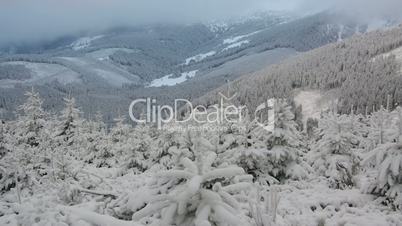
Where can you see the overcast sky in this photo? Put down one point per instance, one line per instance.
(32, 20)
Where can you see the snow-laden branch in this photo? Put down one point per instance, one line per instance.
(95, 218)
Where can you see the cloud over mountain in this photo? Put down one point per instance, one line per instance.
(33, 20)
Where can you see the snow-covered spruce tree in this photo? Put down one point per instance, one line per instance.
(381, 129)
(108, 149)
(137, 153)
(225, 135)
(199, 194)
(68, 140)
(27, 160)
(100, 152)
(283, 147)
(387, 161)
(248, 150)
(70, 122)
(161, 150)
(7, 179)
(31, 121)
(232, 138)
(120, 131)
(333, 155)
(311, 126)
(3, 148)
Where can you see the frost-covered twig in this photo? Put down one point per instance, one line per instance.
(103, 193)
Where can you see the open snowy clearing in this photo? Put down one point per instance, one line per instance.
(169, 80)
(398, 55)
(43, 73)
(238, 38)
(236, 45)
(313, 103)
(105, 70)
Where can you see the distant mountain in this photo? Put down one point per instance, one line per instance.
(105, 71)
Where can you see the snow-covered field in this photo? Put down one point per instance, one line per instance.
(169, 80)
(314, 103)
(236, 45)
(43, 73)
(105, 70)
(238, 38)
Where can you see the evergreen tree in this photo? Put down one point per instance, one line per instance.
(333, 156)
(31, 121)
(284, 146)
(3, 148)
(199, 194)
(387, 162)
(138, 154)
(70, 121)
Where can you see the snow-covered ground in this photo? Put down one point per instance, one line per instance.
(301, 203)
(313, 203)
(340, 32)
(199, 57)
(313, 103)
(169, 80)
(236, 45)
(112, 74)
(238, 38)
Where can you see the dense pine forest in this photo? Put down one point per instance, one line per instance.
(362, 70)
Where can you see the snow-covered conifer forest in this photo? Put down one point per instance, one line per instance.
(201, 113)
(62, 169)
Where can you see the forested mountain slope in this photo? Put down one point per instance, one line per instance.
(362, 70)
(107, 71)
